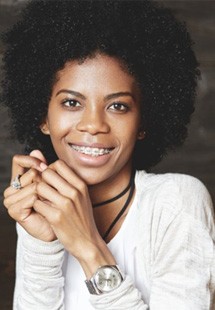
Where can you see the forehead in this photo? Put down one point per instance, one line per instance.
(99, 72)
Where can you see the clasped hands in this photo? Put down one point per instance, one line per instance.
(53, 203)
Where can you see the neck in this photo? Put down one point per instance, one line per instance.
(110, 187)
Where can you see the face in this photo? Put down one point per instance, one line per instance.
(94, 118)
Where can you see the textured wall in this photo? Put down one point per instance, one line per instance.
(196, 157)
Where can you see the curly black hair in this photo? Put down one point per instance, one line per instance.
(154, 47)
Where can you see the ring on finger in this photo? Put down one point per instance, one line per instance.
(16, 182)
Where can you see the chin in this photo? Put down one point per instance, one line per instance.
(90, 176)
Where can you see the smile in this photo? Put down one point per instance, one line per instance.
(91, 151)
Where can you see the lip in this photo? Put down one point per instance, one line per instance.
(89, 160)
(92, 145)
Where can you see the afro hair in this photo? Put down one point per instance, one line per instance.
(154, 47)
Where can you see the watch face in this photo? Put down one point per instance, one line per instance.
(107, 279)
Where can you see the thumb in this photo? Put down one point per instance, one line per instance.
(39, 155)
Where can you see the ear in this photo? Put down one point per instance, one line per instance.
(141, 134)
(44, 127)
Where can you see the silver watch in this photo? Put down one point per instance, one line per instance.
(106, 279)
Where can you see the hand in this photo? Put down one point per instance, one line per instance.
(68, 209)
(20, 202)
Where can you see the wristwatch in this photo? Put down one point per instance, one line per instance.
(106, 279)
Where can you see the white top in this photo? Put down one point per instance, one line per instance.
(123, 248)
(165, 247)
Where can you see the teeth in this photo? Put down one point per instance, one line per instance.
(93, 151)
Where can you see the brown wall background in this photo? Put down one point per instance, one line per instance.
(196, 157)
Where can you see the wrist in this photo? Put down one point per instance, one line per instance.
(94, 257)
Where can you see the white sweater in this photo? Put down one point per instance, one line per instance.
(174, 255)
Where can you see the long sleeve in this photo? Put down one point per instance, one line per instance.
(126, 297)
(39, 280)
(179, 251)
(176, 253)
(183, 268)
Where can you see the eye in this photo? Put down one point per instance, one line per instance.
(119, 107)
(71, 103)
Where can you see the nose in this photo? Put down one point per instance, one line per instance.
(93, 122)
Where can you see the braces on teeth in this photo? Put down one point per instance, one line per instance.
(90, 151)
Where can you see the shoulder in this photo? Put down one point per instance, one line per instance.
(181, 186)
(168, 195)
(169, 181)
(175, 214)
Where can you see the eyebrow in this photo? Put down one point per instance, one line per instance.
(71, 92)
(108, 97)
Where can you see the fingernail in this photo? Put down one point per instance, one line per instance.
(43, 166)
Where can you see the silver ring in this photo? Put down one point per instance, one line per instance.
(16, 182)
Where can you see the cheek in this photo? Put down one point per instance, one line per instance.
(128, 139)
(131, 132)
(59, 125)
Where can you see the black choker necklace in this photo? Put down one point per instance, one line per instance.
(130, 186)
(116, 197)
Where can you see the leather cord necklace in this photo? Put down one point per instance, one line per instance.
(130, 186)
(116, 197)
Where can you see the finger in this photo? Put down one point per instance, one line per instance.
(61, 185)
(22, 162)
(20, 195)
(32, 175)
(38, 154)
(50, 194)
(51, 214)
(22, 209)
(69, 175)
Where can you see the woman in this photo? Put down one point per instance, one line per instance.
(99, 90)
